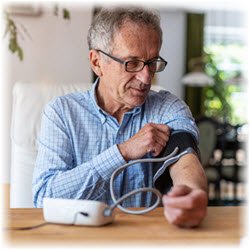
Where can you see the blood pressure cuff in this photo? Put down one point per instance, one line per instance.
(186, 144)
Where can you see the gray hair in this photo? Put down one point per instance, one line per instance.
(109, 21)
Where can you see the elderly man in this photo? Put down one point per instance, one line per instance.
(86, 136)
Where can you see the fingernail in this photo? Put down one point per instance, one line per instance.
(165, 199)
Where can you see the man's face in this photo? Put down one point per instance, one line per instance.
(132, 42)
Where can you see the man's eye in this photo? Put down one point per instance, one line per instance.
(133, 63)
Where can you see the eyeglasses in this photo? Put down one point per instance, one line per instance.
(155, 65)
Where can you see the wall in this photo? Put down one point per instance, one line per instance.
(56, 52)
(173, 50)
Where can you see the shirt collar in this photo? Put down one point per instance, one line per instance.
(102, 114)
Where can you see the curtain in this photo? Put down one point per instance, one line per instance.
(194, 48)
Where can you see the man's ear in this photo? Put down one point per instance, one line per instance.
(94, 58)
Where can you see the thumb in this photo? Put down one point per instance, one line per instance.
(179, 190)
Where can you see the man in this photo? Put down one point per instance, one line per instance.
(86, 136)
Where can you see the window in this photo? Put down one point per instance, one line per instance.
(225, 45)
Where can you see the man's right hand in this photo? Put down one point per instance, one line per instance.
(151, 138)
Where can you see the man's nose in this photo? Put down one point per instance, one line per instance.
(144, 75)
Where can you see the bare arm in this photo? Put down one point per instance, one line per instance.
(185, 205)
(189, 171)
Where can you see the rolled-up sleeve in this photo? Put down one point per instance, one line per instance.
(175, 113)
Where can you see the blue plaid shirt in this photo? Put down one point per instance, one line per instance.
(77, 147)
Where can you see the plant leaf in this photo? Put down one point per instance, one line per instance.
(20, 53)
(66, 14)
(12, 45)
(56, 10)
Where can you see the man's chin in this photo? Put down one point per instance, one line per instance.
(137, 101)
(137, 97)
(139, 92)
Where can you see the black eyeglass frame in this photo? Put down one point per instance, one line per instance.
(145, 62)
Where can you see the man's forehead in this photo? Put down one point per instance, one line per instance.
(129, 25)
(131, 41)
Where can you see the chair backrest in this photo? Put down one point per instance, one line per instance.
(29, 100)
(208, 138)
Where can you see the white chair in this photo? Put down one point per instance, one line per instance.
(29, 100)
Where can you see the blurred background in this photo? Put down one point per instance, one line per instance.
(206, 49)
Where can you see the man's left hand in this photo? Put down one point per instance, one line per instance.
(184, 206)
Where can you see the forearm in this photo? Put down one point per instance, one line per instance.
(61, 169)
(189, 171)
(86, 181)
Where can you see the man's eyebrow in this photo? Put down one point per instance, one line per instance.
(137, 58)
(126, 58)
(133, 58)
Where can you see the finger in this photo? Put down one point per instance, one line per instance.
(190, 224)
(184, 202)
(161, 127)
(190, 201)
(155, 149)
(179, 190)
(161, 140)
(156, 144)
(155, 133)
(184, 217)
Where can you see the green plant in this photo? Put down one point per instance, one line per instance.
(218, 100)
(15, 30)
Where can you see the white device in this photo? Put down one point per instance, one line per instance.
(76, 212)
(96, 213)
